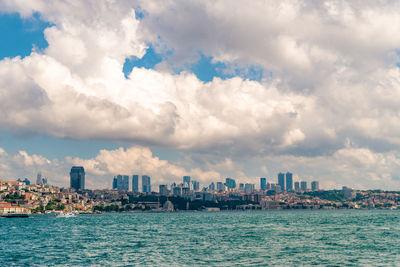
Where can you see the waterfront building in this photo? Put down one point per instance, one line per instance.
(289, 181)
(163, 190)
(230, 183)
(314, 185)
(303, 185)
(196, 186)
(296, 186)
(186, 180)
(146, 185)
(135, 183)
(177, 191)
(168, 206)
(249, 188)
(281, 180)
(263, 183)
(77, 178)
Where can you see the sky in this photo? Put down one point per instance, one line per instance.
(210, 89)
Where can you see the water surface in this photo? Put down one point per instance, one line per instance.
(347, 237)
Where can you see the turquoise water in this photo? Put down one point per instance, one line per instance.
(338, 238)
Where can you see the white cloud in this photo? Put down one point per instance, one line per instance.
(100, 169)
(334, 78)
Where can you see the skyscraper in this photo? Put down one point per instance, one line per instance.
(241, 187)
(135, 183)
(303, 185)
(249, 188)
(220, 187)
(77, 178)
(146, 186)
(186, 179)
(39, 178)
(281, 180)
(122, 182)
(263, 183)
(296, 186)
(314, 185)
(115, 183)
(196, 186)
(211, 186)
(289, 181)
(230, 183)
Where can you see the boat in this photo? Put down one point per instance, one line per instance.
(15, 215)
(66, 214)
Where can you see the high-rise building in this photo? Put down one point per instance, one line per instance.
(220, 187)
(77, 178)
(263, 183)
(281, 180)
(289, 181)
(211, 187)
(115, 183)
(186, 180)
(122, 182)
(146, 186)
(241, 187)
(196, 186)
(314, 185)
(303, 185)
(249, 188)
(135, 183)
(230, 183)
(296, 186)
(39, 178)
(163, 190)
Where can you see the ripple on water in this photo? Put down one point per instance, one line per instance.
(329, 238)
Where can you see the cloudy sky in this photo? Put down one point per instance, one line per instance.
(211, 89)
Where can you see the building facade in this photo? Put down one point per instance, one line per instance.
(77, 178)
(146, 185)
(281, 180)
(135, 183)
(303, 185)
(314, 185)
(230, 183)
(263, 183)
(289, 181)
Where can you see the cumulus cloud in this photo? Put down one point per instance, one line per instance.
(333, 77)
(100, 169)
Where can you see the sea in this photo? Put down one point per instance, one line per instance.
(249, 238)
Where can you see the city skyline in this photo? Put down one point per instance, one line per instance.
(190, 88)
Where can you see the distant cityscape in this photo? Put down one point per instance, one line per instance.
(125, 196)
(122, 183)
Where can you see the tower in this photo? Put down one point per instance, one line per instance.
(281, 180)
(289, 181)
(77, 178)
(135, 183)
(146, 186)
